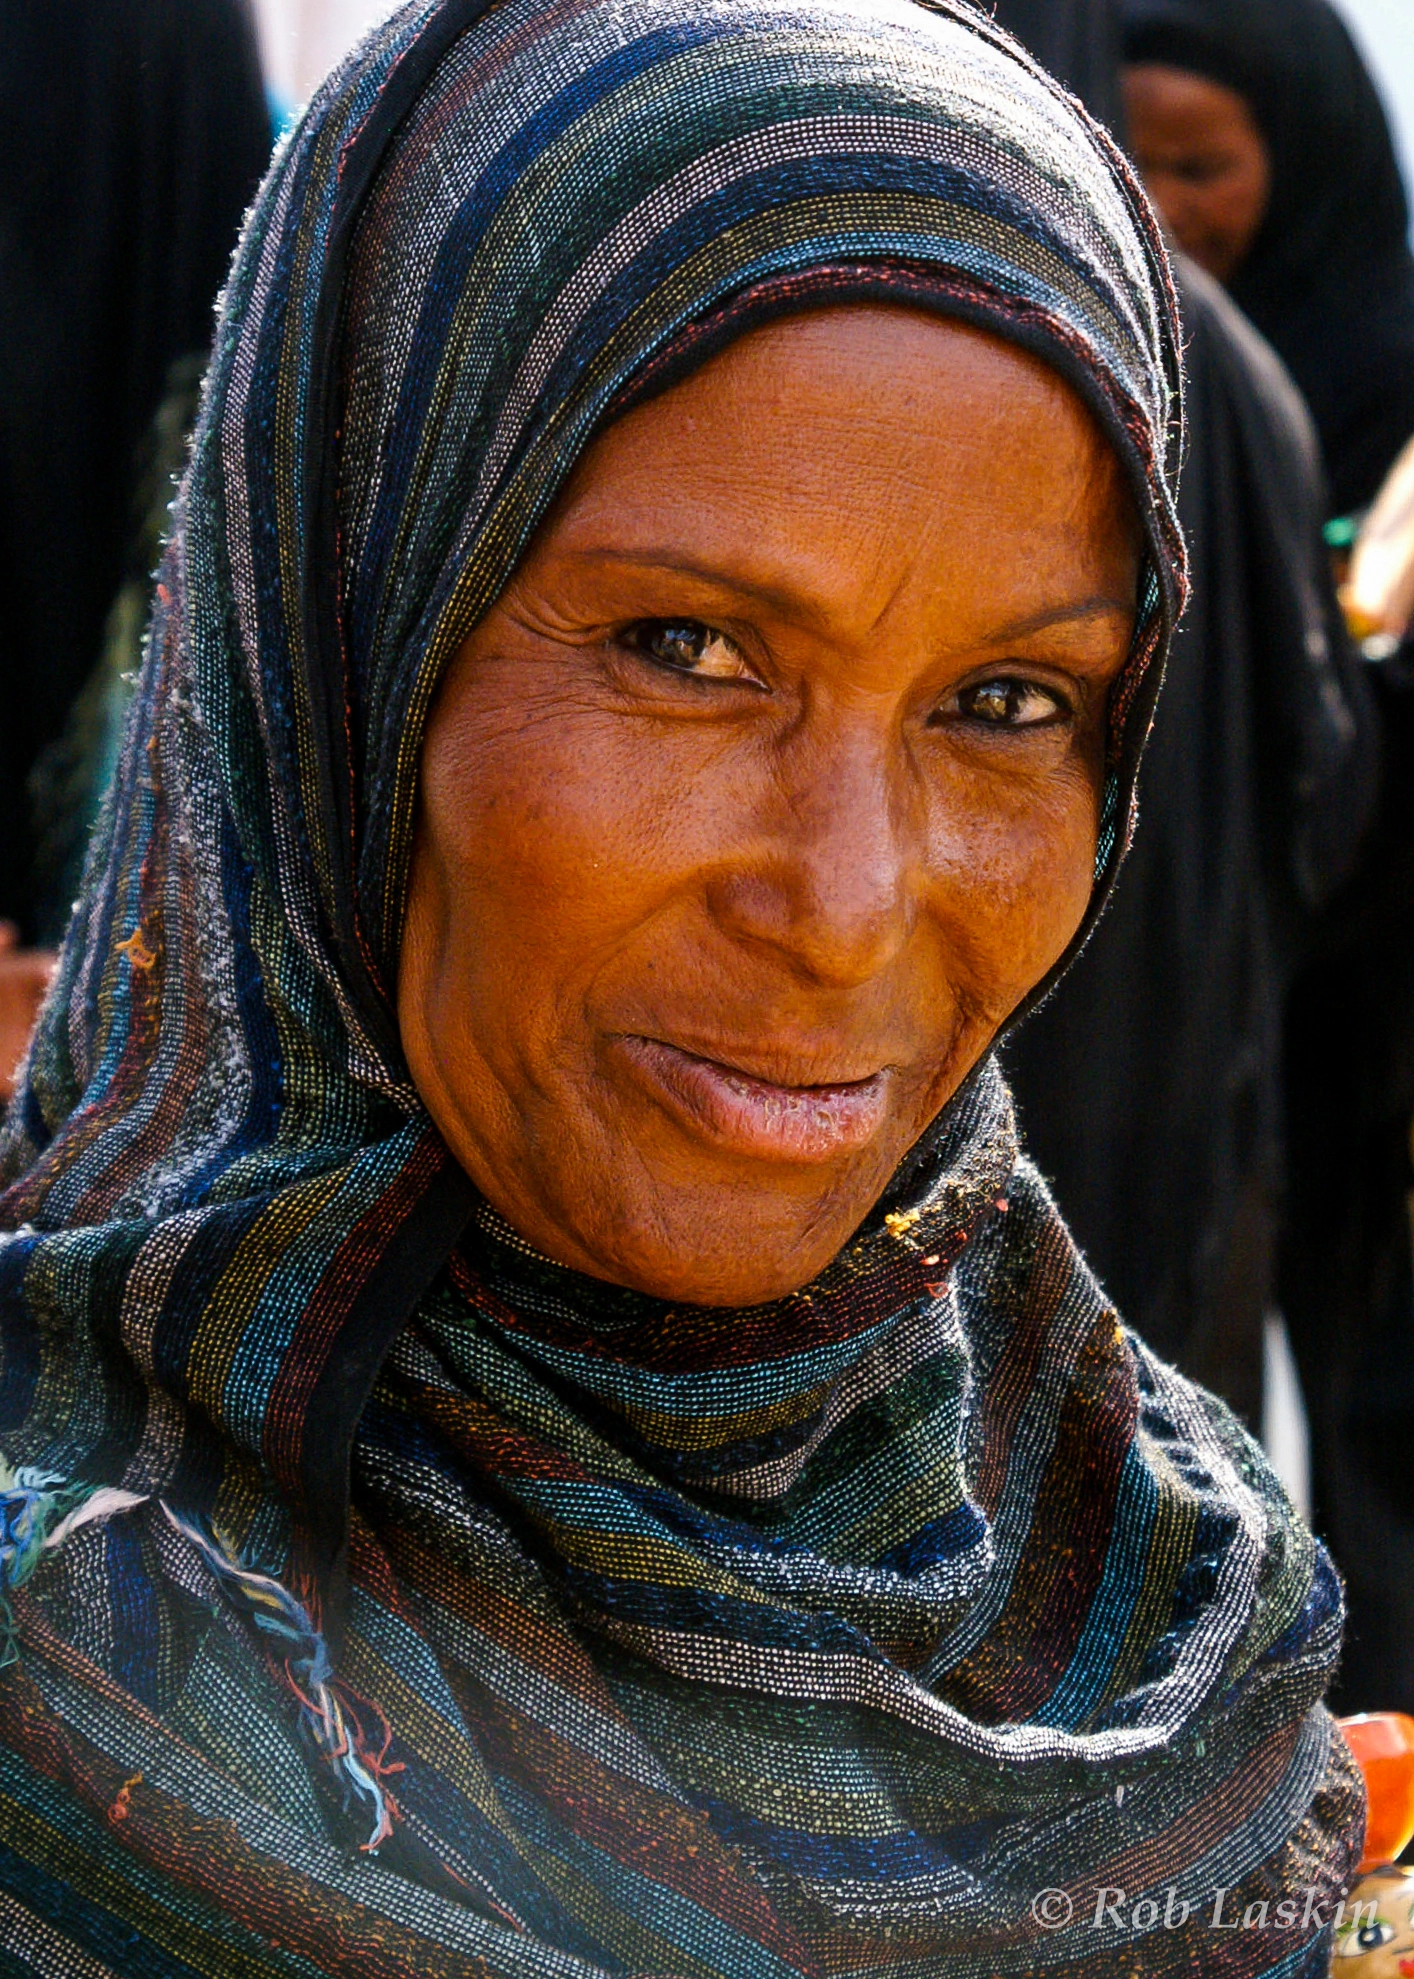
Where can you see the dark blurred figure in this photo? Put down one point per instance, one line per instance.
(132, 136)
(1325, 268)
(1152, 1086)
(1264, 143)
(1347, 1279)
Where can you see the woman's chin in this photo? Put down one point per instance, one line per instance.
(695, 1183)
(715, 1278)
(709, 1247)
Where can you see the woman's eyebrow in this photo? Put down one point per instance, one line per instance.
(783, 599)
(1098, 606)
(788, 602)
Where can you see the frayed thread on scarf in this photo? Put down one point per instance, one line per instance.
(329, 1717)
(35, 1510)
(38, 1512)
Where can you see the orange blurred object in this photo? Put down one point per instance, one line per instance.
(1383, 1745)
(24, 978)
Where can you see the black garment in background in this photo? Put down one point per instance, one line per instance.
(1330, 279)
(1154, 1086)
(132, 136)
(1346, 1283)
(1149, 1086)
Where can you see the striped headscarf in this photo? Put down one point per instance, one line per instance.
(380, 1597)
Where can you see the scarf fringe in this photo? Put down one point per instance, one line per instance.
(328, 1714)
(38, 1512)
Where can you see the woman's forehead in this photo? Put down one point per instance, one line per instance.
(921, 440)
(577, 184)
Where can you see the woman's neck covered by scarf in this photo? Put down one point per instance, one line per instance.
(734, 1404)
(1330, 279)
(385, 1598)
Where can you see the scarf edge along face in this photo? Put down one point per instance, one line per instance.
(1150, 449)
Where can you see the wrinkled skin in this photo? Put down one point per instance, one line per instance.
(764, 794)
(1204, 161)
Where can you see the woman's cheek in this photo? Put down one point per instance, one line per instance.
(556, 847)
(1013, 874)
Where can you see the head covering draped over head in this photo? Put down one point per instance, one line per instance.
(386, 1598)
(1330, 278)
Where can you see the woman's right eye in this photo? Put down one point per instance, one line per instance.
(1011, 701)
(1202, 170)
(688, 646)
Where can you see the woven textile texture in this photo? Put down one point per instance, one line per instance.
(380, 1598)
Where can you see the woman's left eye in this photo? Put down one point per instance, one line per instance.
(1008, 701)
(688, 646)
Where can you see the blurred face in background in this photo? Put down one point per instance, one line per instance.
(1205, 163)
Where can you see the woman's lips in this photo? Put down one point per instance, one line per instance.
(758, 1117)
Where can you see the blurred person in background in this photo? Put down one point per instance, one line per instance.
(1151, 1087)
(1263, 141)
(132, 136)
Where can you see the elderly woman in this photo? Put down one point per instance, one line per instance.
(552, 1433)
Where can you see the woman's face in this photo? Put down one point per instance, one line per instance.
(1205, 163)
(764, 794)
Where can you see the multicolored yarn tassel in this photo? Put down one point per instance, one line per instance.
(38, 1512)
(328, 1715)
(32, 1511)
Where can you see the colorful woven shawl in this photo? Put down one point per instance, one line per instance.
(380, 1598)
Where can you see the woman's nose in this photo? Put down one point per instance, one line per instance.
(831, 875)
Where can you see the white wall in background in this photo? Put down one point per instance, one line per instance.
(1285, 1433)
(302, 40)
(1385, 30)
